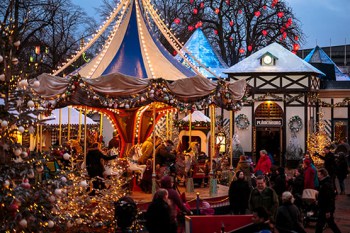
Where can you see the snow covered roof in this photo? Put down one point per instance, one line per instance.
(200, 48)
(317, 55)
(74, 117)
(286, 62)
(197, 116)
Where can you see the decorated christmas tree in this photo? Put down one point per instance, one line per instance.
(318, 140)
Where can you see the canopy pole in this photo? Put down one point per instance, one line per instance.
(190, 130)
(154, 152)
(41, 133)
(213, 181)
(79, 127)
(37, 135)
(69, 113)
(231, 146)
(171, 125)
(60, 127)
(85, 136)
(167, 125)
(101, 125)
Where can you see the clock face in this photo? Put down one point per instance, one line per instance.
(267, 60)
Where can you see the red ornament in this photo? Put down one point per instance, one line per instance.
(264, 32)
(195, 11)
(191, 1)
(217, 11)
(239, 11)
(257, 13)
(280, 14)
(274, 3)
(232, 23)
(264, 7)
(296, 47)
(296, 37)
(174, 53)
(284, 35)
(177, 21)
(250, 48)
(231, 38)
(228, 2)
(241, 50)
(199, 24)
(190, 28)
(215, 31)
(201, 5)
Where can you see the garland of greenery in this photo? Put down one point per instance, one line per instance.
(295, 124)
(242, 121)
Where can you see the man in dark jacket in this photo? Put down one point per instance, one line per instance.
(326, 203)
(164, 154)
(330, 164)
(94, 164)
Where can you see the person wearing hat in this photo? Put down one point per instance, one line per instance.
(245, 166)
(309, 174)
(114, 142)
(288, 217)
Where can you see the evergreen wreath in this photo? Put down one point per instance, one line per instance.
(242, 121)
(295, 124)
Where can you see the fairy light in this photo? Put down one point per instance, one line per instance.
(109, 41)
(92, 40)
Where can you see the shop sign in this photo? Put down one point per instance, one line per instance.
(269, 122)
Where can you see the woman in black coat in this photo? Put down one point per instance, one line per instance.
(158, 216)
(239, 193)
(342, 171)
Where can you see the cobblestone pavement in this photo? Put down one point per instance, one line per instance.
(342, 212)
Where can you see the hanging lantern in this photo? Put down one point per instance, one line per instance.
(37, 49)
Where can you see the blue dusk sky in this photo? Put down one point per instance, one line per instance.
(324, 22)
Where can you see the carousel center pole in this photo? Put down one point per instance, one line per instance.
(154, 152)
(231, 146)
(213, 182)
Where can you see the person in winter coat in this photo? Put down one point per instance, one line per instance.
(264, 163)
(326, 203)
(159, 214)
(263, 196)
(238, 193)
(309, 174)
(307, 156)
(245, 166)
(329, 164)
(288, 217)
(279, 184)
(176, 202)
(342, 171)
(297, 184)
(94, 165)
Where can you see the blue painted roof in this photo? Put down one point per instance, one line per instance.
(317, 55)
(199, 47)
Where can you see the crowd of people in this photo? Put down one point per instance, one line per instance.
(274, 196)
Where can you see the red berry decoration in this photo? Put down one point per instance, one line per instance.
(177, 21)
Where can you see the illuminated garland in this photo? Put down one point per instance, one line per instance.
(295, 124)
(185, 124)
(242, 121)
(157, 91)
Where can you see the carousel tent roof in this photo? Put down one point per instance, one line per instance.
(197, 116)
(121, 91)
(286, 62)
(319, 58)
(200, 48)
(133, 50)
(74, 118)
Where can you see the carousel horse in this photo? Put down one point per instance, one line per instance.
(132, 156)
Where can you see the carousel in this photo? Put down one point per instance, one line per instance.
(141, 93)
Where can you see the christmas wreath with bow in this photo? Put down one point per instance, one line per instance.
(242, 121)
(295, 124)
